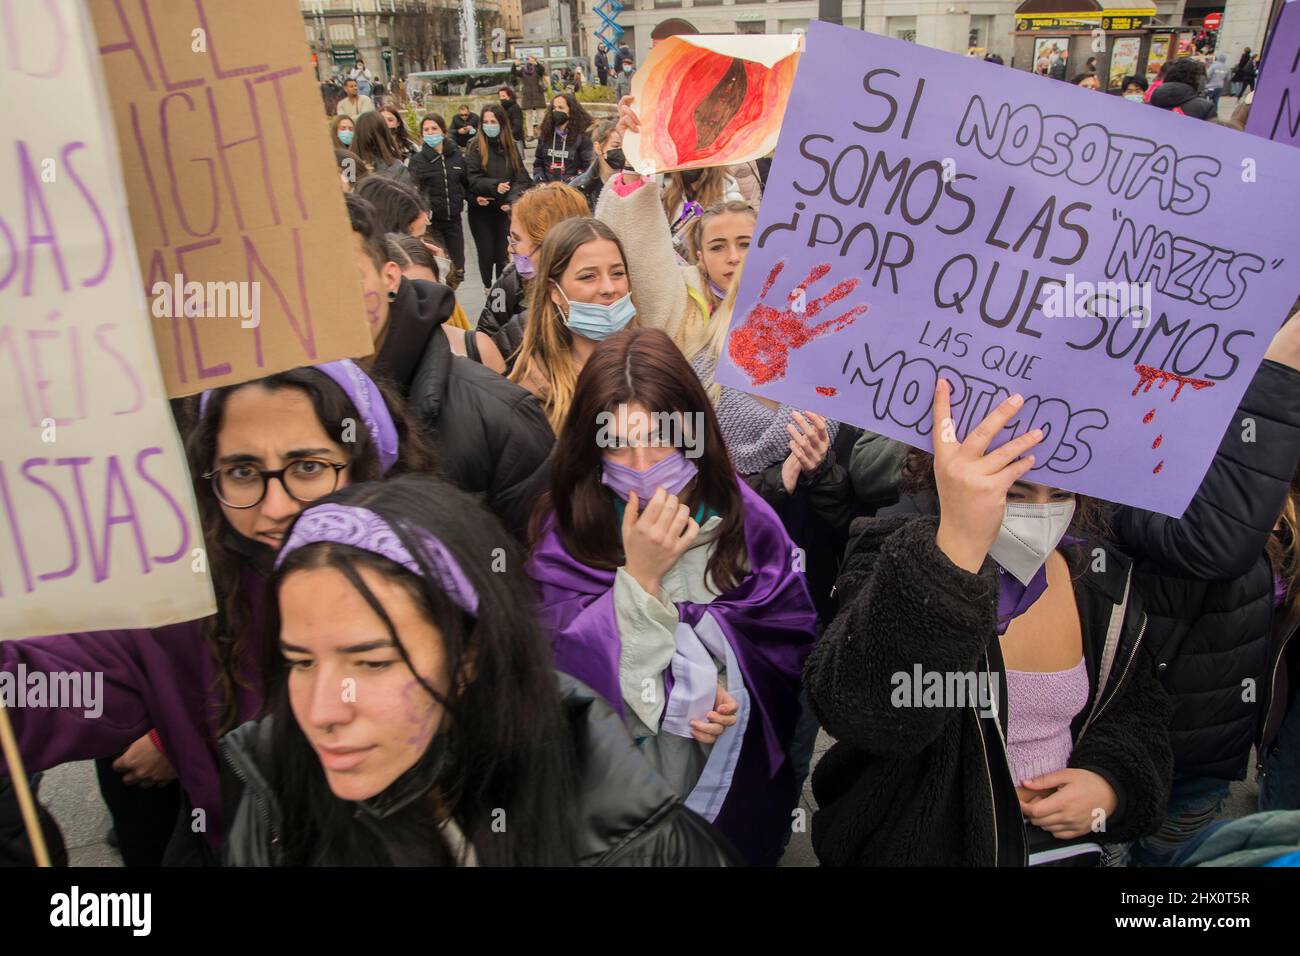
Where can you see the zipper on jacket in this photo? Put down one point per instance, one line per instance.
(997, 723)
(263, 810)
(1102, 705)
(988, 769)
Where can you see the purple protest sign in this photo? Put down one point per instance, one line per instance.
(1121, 267)
(1275, 110)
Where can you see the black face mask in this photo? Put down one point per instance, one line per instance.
(692, 176)
(559, 117)
(615, 159)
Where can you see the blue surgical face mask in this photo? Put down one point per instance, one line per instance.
(345, 137)
(433, 140)
(597, 322)
(491, 130)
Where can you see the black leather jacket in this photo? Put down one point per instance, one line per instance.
(628, 815)
(589, 184)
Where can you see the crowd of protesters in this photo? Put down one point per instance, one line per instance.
(567, 599)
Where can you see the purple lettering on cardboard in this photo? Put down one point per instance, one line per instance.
(203, 371)
(13, 255)
(147, 168)
(307, 333)
(75, 560)
(157, 272)
(19, 547)
(157, 53)
(98, 277)
(172, 503)
(32, 197)
(231, 188)
(42, 383)
(88, 526)
(126, 366)
(15, 46)
(165, 130)
(114, 479)
(128, 44)
(212, 47)
(283, 112)
(19, 369)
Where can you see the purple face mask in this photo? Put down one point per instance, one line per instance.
(672, 474)
(523, 265)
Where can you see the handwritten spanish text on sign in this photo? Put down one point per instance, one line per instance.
(98, 527)
(1121, 267)
(233, 188)
(1275, 110)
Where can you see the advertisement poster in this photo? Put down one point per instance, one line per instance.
(1123, 61)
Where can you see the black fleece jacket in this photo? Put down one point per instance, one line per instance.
(491, 436)
(924, 785)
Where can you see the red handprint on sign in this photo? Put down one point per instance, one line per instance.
(761, 344)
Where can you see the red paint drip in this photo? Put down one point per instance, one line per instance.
(1146, 419)
(1149, 376)
(761, 344)
(827, 391)
(1156, 469)
(1156, 443)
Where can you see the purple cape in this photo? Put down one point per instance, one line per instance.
(769, 621)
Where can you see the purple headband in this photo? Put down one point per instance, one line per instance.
(369, 403)
(363, 529)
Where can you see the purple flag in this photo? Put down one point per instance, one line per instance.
(1122, 267)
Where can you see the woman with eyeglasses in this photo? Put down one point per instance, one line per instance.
(259, 453)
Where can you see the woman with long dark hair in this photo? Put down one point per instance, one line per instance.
(258, 452)
(397, 126)
(672, 590)
(457, 744)
(375, 144)
(564, 148)
(496, 175)
(510, 103)
(438, 168)
(985, 679)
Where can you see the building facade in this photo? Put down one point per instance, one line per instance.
(395, 37)
(959, 26)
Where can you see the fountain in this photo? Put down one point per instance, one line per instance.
(468, 36)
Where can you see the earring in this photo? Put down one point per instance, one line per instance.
(392, 295)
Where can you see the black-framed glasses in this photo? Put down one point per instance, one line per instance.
(304, 479)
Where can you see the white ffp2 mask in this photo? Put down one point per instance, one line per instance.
(1029, 533)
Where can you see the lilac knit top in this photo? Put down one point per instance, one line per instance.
(1040, 707)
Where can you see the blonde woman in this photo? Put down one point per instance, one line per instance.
(579, 297)
(530, 219)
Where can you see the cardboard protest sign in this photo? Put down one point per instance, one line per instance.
(711, 100)
(1121, 267)
(1275, 110)
(245, 247)
(97, 519)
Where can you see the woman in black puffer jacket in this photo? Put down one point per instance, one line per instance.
(439, 172)
(495, 170)
(991, 699)
(534, 769)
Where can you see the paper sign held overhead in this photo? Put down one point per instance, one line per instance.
(245, 246)
(98, 527)
(1121, 267)
(711, 100)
